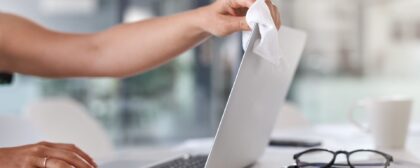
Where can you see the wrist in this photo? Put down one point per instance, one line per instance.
(202, 19)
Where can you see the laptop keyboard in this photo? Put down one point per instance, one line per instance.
(196, 161)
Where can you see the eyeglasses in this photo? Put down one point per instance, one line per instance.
(323, 158)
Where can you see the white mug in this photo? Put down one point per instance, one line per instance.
(388, 120)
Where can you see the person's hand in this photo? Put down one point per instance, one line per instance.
(45, 155)
(224, 17)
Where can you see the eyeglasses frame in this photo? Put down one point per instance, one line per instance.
(388, 157)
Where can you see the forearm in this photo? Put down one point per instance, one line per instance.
(120, 51)
(138, 47)
(123, 50)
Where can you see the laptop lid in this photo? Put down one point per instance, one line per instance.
(257, 96)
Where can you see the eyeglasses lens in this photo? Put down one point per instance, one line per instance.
(367, 159)
(315, 159)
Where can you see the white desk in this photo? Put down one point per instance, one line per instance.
(334, 137)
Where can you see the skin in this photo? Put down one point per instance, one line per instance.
(31, 156)
(120, 51)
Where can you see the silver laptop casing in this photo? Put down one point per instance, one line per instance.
(256, 98)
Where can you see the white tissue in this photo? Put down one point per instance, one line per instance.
(268, 46)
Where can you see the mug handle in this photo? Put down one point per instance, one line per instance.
(358, 105)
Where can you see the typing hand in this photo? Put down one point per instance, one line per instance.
(45, 155)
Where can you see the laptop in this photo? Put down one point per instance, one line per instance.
(256, 98)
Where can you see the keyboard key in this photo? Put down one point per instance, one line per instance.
(198, 161)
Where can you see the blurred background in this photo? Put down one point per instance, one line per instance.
(355, 49)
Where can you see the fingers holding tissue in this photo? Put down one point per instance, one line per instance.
(230, 16)
(240, 8)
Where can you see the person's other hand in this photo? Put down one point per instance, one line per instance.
(224, 17)
(34, 156)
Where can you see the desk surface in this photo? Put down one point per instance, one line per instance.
(334, 137)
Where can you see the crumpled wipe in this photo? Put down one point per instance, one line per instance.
(268, 46)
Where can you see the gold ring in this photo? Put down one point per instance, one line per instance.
(45, 162)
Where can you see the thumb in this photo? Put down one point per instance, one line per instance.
(230, 24)
(239, 24)
(236, 24)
